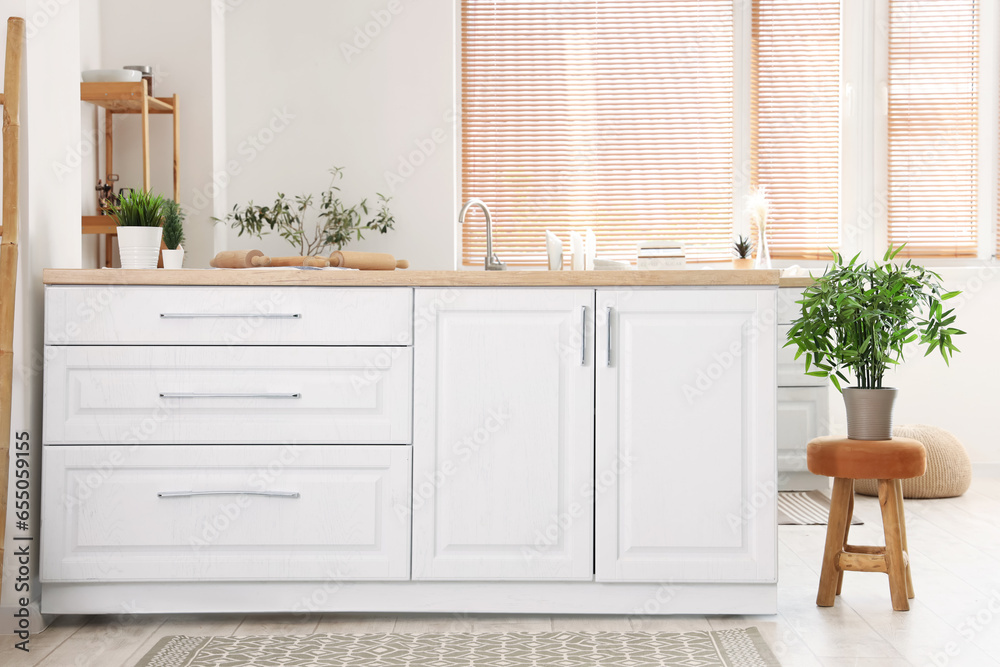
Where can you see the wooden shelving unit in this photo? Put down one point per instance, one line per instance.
(128, 98)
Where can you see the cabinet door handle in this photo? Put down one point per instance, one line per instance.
(583, 328)
(186, 494)
(185, 394)
(607, 358)
(265, 316)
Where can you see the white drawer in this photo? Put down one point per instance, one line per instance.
(219, 395)
(803, 414)
(136, 315)
(236, 514)
(792, 371)
(788, 309)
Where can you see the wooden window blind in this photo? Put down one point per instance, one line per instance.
(615, 115)
(795, 123)
(933, 126)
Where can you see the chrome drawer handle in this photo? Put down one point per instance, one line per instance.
(182, 394)
(583, 344)
(607, 359)
(269, 494)
(266, 316)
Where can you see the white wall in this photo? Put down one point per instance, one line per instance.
(50, 225)
(175, 38)
(366, 105)
(91, 151)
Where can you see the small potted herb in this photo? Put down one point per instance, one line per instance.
(138, 215)
(743, 250)
(858, 319)
(173, 235)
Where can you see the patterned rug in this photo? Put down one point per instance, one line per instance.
(724, 648)
(806, 508)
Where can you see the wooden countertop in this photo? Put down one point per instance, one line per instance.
(406, 278)
(798, 281)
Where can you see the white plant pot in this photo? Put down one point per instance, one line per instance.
(139, 247)
(173, 259)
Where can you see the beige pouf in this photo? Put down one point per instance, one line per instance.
(949, 470)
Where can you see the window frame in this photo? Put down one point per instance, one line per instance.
(864, 133)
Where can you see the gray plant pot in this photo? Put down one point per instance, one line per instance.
(869, 413)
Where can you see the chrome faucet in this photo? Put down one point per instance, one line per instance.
(492, 262)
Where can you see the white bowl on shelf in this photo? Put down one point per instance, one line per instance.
(111, 75)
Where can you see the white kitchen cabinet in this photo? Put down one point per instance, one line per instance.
(802, 416)
(685, 459)
(305, 444)
(803, 404)
(503, 434)
(215, 513)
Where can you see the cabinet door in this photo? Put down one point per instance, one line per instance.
(685, 477)
(503, 434)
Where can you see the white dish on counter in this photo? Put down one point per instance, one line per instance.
(111, 75)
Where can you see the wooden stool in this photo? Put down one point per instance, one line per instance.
(888, 461)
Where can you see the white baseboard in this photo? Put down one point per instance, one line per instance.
(307, 597)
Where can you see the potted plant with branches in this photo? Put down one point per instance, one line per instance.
(858, 320)
(338, 224)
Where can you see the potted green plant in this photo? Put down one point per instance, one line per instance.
(173, 235)
(743, 251)
(858, 319)
(138, 215)
(338, 223)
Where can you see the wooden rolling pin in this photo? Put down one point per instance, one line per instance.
(370, 261)
(299, 260)
(240, 259)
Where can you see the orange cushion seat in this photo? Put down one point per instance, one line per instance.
(899, 458)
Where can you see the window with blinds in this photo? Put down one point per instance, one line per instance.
(795, 123)
(933, 126)
(615, 115)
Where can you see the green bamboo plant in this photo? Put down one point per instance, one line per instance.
(138, 208)
(858, 318)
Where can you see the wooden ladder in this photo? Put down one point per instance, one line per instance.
(11, 101)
